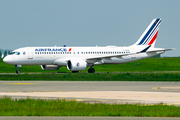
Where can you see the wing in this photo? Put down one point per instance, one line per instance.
(94, 58)
(107, 56)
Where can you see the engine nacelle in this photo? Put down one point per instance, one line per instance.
(76, 65)
(50, 67)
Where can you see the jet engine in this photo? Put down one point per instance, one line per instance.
(76, 65)
(50, 67)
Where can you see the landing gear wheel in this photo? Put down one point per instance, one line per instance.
(91, 70)
(75, 71)
(18, 71)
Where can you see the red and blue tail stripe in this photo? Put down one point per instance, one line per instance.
(151, 34)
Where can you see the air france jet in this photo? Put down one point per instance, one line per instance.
(79, 58)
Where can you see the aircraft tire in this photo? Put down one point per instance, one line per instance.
(91, 70)
(75, 71)
(18, 71)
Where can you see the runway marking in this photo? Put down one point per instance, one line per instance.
(166, 88)
(19, 83)
(31, 91)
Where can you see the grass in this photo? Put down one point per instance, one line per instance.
(32, 107)
(150, 64)
(94, 77)
(145, 65)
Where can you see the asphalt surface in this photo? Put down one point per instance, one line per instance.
(95, 91)
(55, 86)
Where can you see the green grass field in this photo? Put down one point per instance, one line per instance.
(32, 107)
(94, 77)
(145, 65)
(150, 64)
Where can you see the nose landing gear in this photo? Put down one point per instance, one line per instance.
(18, 70)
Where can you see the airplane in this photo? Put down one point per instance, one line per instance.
(79, 58)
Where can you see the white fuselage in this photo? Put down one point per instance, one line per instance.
(60, 55)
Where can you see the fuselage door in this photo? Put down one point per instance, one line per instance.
(30, 53)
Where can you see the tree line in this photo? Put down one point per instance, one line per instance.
(6, 52)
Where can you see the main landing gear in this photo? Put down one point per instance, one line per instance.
(75, 71)
(18, 70)
(91, 70)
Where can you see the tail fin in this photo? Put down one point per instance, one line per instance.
(150, 34)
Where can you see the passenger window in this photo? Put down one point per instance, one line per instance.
(18, 53)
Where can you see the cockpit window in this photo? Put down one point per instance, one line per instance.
(14, 53)
(11, 53)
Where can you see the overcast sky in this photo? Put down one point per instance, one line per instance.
(87, 22)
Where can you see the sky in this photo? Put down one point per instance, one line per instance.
(87, 23)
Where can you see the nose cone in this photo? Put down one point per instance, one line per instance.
(8, 60)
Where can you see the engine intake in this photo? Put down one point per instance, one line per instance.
(76, 65)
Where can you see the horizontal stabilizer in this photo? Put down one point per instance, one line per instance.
(159, 49)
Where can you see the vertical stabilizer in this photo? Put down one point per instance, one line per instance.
(150, 34)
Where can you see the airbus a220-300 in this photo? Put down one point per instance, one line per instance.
(79, 58)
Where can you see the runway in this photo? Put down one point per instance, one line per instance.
(95, 91)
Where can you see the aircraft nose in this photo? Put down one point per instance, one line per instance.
(7, 60)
